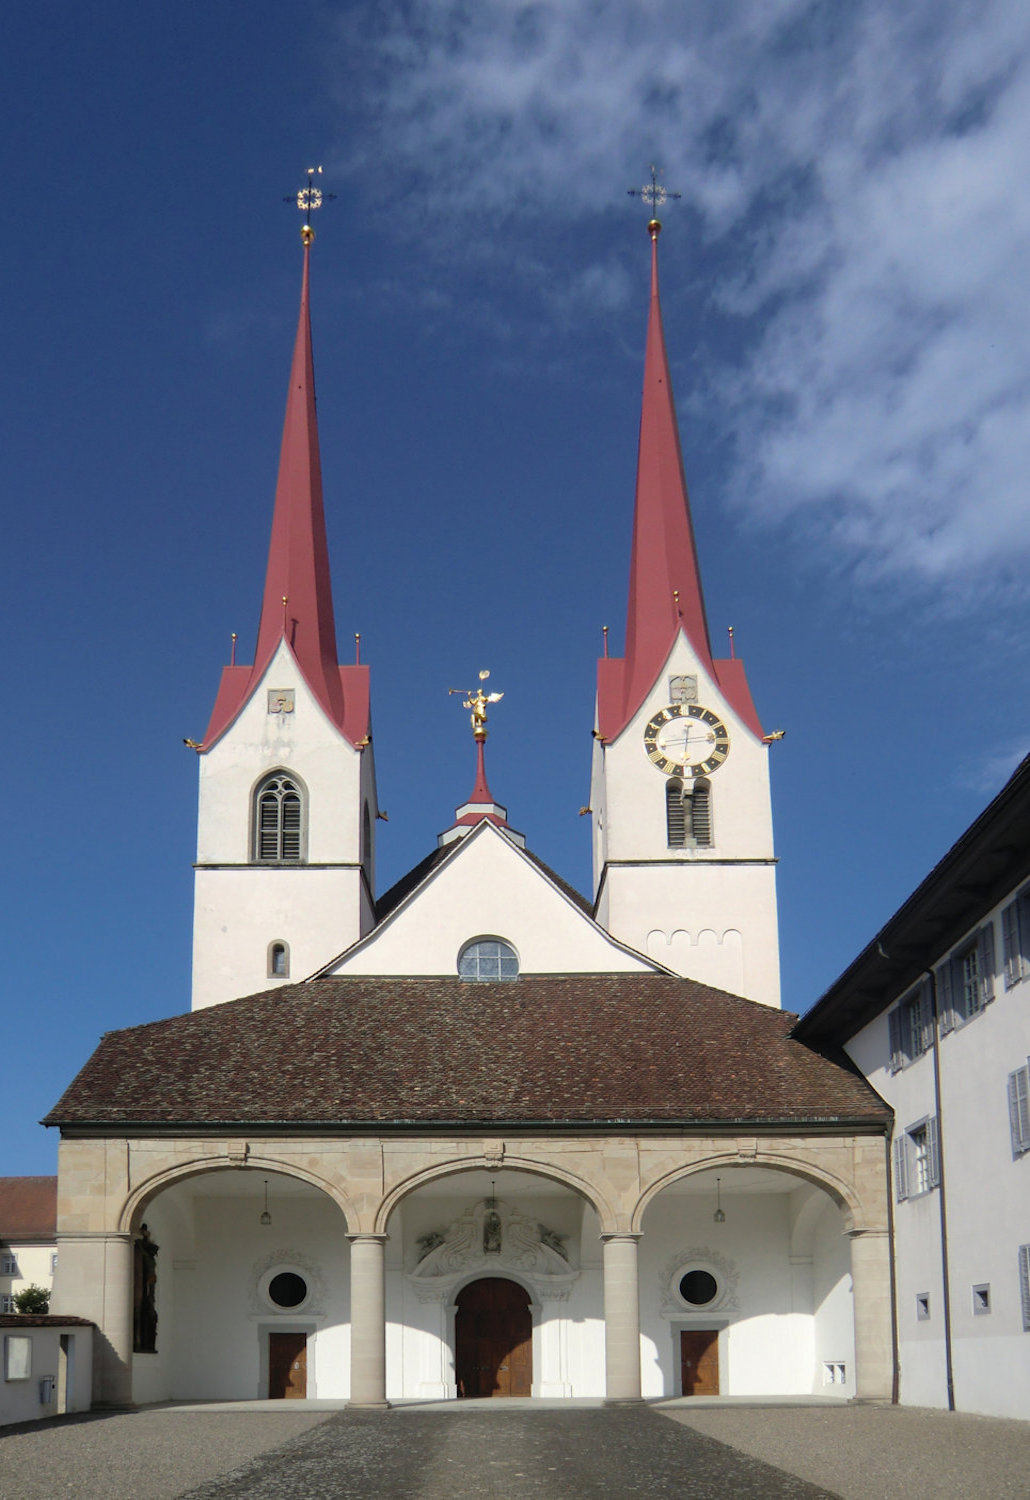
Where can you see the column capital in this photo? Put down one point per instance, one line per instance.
(618, 1234)
(364, 1239)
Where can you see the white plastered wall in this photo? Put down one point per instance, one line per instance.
(709, 913)
(317, 907)
(987, 1202)
(488, 888)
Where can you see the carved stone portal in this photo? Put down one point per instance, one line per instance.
(492, 1237)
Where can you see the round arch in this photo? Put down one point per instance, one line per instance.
(841, 1192)
(458, 1165)
(137, 1201)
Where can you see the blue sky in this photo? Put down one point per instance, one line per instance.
(844, 288)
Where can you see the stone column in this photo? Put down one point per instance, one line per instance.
(94, 1280)
(368, 1320)
(621, 1318)
(870, 1281)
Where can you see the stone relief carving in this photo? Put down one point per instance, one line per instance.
(492, 1237)
(702, 1259)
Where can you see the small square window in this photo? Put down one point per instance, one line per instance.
(981, 1299)
(923, 1307)
(835, 1372)
(7, 1302)
(8, 1264)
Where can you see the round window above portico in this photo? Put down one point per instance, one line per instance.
(698, 1288)
(488, 958)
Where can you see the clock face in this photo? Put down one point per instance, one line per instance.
(686, 739)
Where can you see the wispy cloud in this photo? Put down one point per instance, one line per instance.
(858, 170)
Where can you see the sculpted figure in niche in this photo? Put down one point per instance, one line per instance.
(144, 1294)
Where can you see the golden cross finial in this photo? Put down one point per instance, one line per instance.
(477, 702)
(653, 194)
(307, 200)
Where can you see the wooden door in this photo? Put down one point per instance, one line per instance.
(287, 1366)
(699, 1361)
(493, 1339)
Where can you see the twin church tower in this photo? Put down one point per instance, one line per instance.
(684, 871)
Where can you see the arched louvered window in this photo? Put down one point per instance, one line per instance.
(701, 814)
(366, 841)
(688, 814)
(278, 960)
(279, 820)
(675, 813)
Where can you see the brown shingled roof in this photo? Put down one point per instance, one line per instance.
(28, 1208)
(372, 1052)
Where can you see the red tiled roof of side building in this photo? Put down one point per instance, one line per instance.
(578, 1050)
(28, 1208)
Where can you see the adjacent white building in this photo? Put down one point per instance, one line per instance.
(936, 1014)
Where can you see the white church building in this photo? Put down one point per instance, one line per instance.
(479, 1135)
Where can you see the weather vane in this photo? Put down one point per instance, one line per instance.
(477, 702)
(653, 194)
(307, 200)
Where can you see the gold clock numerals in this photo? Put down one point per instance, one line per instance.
(686, 739)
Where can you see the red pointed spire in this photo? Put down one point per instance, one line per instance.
(665, 593)
(298, 602)
(298, 555)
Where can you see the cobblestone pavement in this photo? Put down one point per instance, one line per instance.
(599, 1454)
(877, 1452)
(727, 1451)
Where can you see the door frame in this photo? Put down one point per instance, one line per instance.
(700, 1325)
(501, 1274)
(286, 1325)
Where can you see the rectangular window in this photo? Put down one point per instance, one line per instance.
(965, 981)
(7, 1302)
(917, 1160)
(8, 1264)
(1015, 932)
(1019, 1109)
(923, 1307)
(981, 1299)
(1024, 1285)
(17, 1356)
(835, 1372)
(53, 1262)
(910, 1027)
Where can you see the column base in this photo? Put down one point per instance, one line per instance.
(624, 1401)
(368, 1405)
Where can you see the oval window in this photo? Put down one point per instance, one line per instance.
(287, 1289)
(698, 1288)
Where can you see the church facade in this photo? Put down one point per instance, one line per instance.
(479, 1135)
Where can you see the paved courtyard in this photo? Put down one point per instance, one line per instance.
(578, 1451)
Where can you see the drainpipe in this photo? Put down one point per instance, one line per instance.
(949, 1366)
(895, 1351)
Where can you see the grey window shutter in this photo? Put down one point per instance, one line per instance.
(901, 1168)
(897, 1057)
(933, 1152)
(925, 1017)
(986, 944)
(1024, 1284)
(675, 814)
(945, 1006)
(1010, 944)
(1019, 1110)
